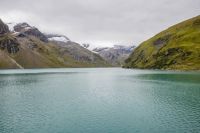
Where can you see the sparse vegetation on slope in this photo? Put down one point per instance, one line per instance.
(29, 48)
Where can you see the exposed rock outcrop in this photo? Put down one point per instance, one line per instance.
(26, 29)
(3, 28)
(86, 45)
(7, 41)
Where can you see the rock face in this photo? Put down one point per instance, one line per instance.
(9, 43)
(177, 48)
(86, 45)
(116, 54)
(3, 28)
(6, 40)
(26, 29)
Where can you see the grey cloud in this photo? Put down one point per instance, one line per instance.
(101, 20)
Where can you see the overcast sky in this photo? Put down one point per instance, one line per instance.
(100, 22)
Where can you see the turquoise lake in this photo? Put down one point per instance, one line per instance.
(99, 100)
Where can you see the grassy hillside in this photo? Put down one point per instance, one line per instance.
(176, 48)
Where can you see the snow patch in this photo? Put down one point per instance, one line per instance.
(11, 26)
(27, 28)
(59, 39)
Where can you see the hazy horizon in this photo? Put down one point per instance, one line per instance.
(100, 23)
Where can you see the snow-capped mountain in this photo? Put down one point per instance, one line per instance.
(115, 55)
(30, 48)
(24, 29)
(27, 29)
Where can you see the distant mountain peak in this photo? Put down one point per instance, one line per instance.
(115, 54)
(25, 29)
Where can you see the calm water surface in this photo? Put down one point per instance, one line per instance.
(102, 100)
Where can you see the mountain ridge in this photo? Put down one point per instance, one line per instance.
(27, 47)
(115, 55)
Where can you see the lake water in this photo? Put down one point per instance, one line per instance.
(99, 100)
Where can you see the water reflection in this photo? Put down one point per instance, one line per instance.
(172, 77)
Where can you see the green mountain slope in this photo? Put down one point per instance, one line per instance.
(177, 48)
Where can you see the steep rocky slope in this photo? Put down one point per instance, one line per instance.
(176, 48)
(27, 47)
(3, 28)
(26, 29)
(79, 55)
(115, 55)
